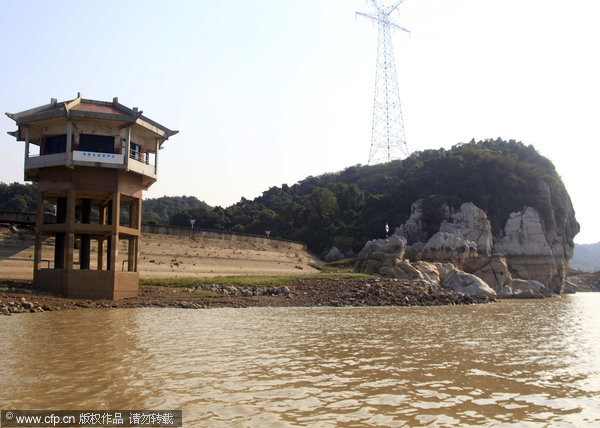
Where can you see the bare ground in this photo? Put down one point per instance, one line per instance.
(164, 256)
(167, 256)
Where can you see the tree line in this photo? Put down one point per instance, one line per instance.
(349, 207)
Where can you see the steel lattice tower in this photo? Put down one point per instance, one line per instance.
(388, 141)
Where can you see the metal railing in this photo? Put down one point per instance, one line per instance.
(143, 157)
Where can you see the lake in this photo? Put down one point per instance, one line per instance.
(509, 363)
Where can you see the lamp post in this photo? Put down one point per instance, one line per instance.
(387, 230)
(192, 221)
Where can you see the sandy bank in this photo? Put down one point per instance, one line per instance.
(168, 256)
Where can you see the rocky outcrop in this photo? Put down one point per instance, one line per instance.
(435, 275)
(424, 273)
(469, 223)
(413, 230)
(448, 247)
(381, 253)
(534, 245)
(472, 224)
(334, 255)
(533, 253)
(493, 270)
(583, 281)
(468, 284)
(525, 289)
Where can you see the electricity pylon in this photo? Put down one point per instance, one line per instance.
(388, 141)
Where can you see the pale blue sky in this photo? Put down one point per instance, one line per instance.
(266, 92)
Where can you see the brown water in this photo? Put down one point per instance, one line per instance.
(515, 362)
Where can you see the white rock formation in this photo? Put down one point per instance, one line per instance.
(529, 254)
(378, 253)
(493, 270)
(448, 247)
(467, 283)
(413, 229)
(525, 289)
(523, 235)
(426, 273)
(472, 224)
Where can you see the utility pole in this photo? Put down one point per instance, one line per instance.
(388, 141)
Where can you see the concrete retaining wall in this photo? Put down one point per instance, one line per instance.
(224, 236)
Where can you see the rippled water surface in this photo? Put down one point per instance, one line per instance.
(514, 362)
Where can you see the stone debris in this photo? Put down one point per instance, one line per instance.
(371, 291)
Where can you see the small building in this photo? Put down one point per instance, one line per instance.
(91, 161)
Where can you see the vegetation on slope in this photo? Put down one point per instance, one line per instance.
(160, 210)
(18, 197)
(349, 207)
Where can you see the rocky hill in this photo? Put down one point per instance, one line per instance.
(586, 257)
(348, 208)
(524, 252)
(584, 281)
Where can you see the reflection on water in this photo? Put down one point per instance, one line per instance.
(513, 362)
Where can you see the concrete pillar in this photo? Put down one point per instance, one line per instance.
(69, 145)
(84, 249)
(101, 220)
(109, 210)
(39, 220)
(157, 145)
(26, 144)
(59, 237)
(127, 148)
(70, 236)
(131, 254)
(100, 257)
(138, 212)
(114, 239)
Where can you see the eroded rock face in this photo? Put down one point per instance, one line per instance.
(535, 247)
(379, 253)
(493, 270)
(374, 261)
(448, 247)
(413, 230)
(528, 252)
(467, 283)
(528, 257)
(524, 235)
(425, 273)
(473, 225)
(469, 223)
(525, 289)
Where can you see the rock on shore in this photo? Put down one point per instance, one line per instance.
(458, 268)
(531, 245)
(300, 292)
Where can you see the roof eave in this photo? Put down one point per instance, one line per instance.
(16, 116)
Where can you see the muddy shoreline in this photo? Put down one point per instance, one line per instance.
(20, 297)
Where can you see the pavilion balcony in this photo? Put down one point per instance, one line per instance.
(143, 163)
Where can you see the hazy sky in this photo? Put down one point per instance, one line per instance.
(266, 92)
